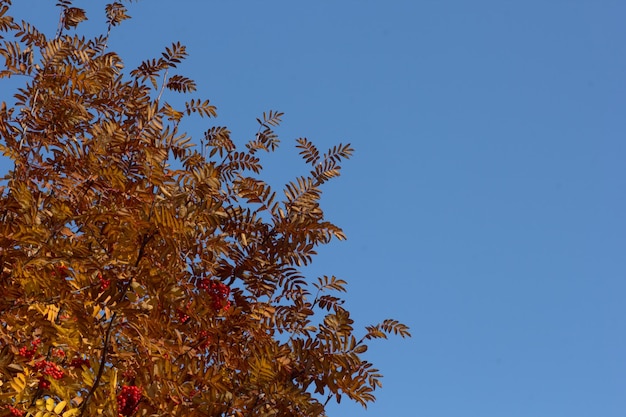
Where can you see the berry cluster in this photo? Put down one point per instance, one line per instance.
(43, 383)
(129, 374)
(182, 316)
(59, 353)
(104, 283)
(205, 339)
(128, 400)
(16, 412)
(29, 353)
(79, 362)
(50, 369)
(218, 292)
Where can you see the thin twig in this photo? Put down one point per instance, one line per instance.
(163, 84)
(105, 347)
(105, 351)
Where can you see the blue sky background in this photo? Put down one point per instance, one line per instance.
(485, 203)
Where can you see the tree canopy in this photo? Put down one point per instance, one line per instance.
(145, 273)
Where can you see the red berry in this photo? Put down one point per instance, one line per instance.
(218, 292)
(79, 362)
(128, 400)
(16, 412)
(29, 353)
(104, 283)
(50, 369)
(44, 383)
(129, 374)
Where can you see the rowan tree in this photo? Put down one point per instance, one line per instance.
(144, 273)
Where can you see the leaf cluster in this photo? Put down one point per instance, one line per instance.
(130, 256)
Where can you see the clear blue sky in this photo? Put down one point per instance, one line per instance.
(485, 204)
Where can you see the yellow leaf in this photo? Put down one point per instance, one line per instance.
(113, 384)
(49, 404)
(72, 412)
(87, 376)
(60, 406)
(51, 312)
(19, 382)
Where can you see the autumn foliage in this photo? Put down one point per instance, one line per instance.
(143, 273)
